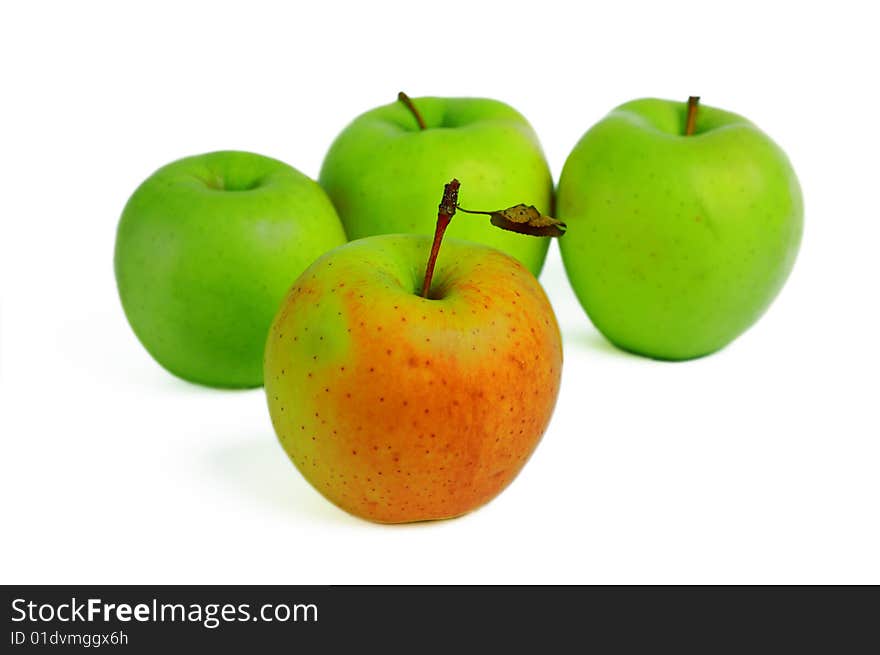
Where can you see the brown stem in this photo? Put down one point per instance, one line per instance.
(407, 101)
(474, 211)
(445, 212)
(691, 122)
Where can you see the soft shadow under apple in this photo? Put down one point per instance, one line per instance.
(593, 340)
(259, 469)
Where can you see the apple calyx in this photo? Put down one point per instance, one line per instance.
(690, 123)
(409, 104)
(521, 218)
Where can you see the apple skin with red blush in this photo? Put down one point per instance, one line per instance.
(401, 408)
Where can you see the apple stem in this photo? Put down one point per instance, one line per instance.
(407, 101)
(691, 123)
(445, 212)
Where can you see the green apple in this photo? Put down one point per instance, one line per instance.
(383, 171)
(677, 243)
(399, 407)
(206, 249)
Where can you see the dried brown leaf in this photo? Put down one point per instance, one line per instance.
(524, 219)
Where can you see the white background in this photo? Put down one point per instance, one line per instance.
(756, 465)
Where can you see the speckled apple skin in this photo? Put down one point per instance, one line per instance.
(399, 408)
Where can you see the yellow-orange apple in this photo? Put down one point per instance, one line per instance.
(399, 407)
